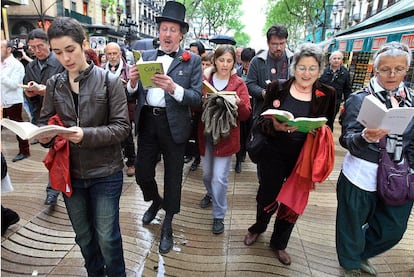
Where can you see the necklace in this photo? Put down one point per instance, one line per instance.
(296, 88)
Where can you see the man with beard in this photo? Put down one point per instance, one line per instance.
(270, 65)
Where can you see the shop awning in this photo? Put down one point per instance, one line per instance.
(370, 39)
(401, 9)
(398, 26)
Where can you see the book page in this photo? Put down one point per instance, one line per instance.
(22, 129)
(50, 131)
(147, 69)
(280, 115)
(396, 120)
(304, 124)
(371, 112)
(307, 124)
(226, 92)
(208, 88)
(374, 114)
(32, 85)
(27, 130)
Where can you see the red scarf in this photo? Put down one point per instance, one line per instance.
(314, 164)
(57, 162)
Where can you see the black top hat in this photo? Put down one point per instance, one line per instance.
(173, 12)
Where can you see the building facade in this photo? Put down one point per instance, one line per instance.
(113, 20)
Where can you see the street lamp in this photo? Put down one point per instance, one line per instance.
(336, 8)
(129, 28)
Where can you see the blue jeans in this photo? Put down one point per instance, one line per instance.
(93, 210)
(216, 179)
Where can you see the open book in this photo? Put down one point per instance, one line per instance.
(32, 85)
(304, 124)
(27, 130)
(374, 114)
(147, 69)
(210, 89)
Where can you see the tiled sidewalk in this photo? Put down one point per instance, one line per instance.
(42, 243)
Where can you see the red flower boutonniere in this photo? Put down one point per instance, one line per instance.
(319, 93)
(185, 57)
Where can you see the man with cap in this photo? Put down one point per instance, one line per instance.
(163, 117)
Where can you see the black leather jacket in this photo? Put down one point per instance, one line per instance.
(103, 116)
(351, 137)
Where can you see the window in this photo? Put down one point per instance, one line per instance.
(103, 16)
(59, 7)
(73, 6)
(85, 8)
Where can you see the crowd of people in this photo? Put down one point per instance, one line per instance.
(101, 99)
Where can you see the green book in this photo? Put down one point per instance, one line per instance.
(147, 69)
(137, 55)
(304, 124)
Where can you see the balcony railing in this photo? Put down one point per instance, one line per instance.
(78, 16)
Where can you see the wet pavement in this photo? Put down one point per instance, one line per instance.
(42, 242)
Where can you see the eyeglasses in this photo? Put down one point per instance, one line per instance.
(389, 71)
(39, 47)
(303, 69)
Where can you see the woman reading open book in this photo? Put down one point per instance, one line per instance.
(303, 96)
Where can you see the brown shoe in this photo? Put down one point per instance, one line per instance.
(250, 238)
(131, 171)
(283, 257)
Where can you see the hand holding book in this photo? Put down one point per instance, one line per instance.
(32, 89)
(302, 124)
(281, 126)
(148, 69)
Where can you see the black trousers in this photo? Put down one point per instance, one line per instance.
(272, 172)
(192, 149)
(245, 127)
(154, 138)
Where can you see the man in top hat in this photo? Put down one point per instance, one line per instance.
(163, 117)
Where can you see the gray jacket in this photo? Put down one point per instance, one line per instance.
(103, 116)
(352, 140)
(33, 73)
(258, 78)
(187, 74)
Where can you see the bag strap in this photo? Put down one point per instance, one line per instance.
(382, 142)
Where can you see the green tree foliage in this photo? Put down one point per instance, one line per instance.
(214, 17)
(297, 16)
(109, 5)
(242, 39)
